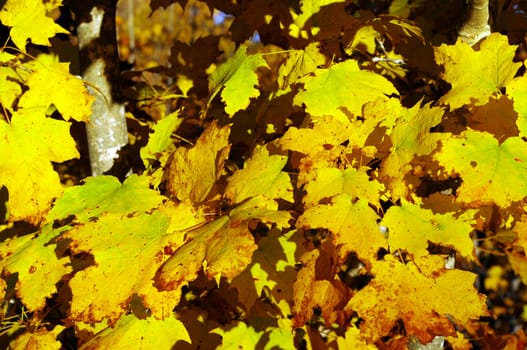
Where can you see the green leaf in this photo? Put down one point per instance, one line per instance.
(33, 257)
(239, 336)
(160, 139)
(517, 91)
(491, 173)
(132, 333)
(105, 194)
(411, 228)
(341, 90)
(237, 77)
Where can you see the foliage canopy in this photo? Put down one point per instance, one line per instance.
(333, 182)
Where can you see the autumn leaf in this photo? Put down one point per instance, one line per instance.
(491, 172)
(272, 266)
(411, 228)
(410, 136)
(236, 79)
(105, 194)
(329, 182)
(475, 76)
(160, 138)
(41, 339)
(517, 91)
(28, 20)
(300, 63)
(352, 223)
(238, 336)
(222, 248)
(263, 171)
(51, 83)
(316, 288)
(443, 295)
(353, 340)
(33, 257)
(32, 142)
(131, 332)
(309, 11)
(318, 132)
(11, 88)
(127, 251)
(192, 173)
(341, 90)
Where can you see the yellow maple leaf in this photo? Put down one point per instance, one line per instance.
(353, 340)
(475, 76)
(332, 181)
(10, 89)
(35, 261)
(272, 266)
(32, 142)
(51, 83)
(263, 171)
(222, 248)
(316, 287)
(517, 90)
(40, 338)
(236, 78)
(410, 136)
(192, 173)
(353, 225)
(341, 90)
(300, 63)
(131, 332)
(491, 172)
(28, 20)
(411, 228)
(444, 295)
(127, 251)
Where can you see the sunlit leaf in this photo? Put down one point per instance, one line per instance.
(475, 76)
(412, 228)
(127, 253)
(105, 194)
(160, 139)
(28, 20)
(131, 333)
(444, 295)
(236, 79)
(51, 83)
(221, 248)
(341, 90)
(264, 172)
(29, 144)
(33, 257)
(192, 173)
(491, 172)
(352, 223)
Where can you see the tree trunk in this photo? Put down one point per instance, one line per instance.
(99, 64)
(477, 25)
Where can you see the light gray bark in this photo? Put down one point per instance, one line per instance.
(477, 25)
(106, 129)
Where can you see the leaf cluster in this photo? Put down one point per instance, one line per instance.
(336, 184)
